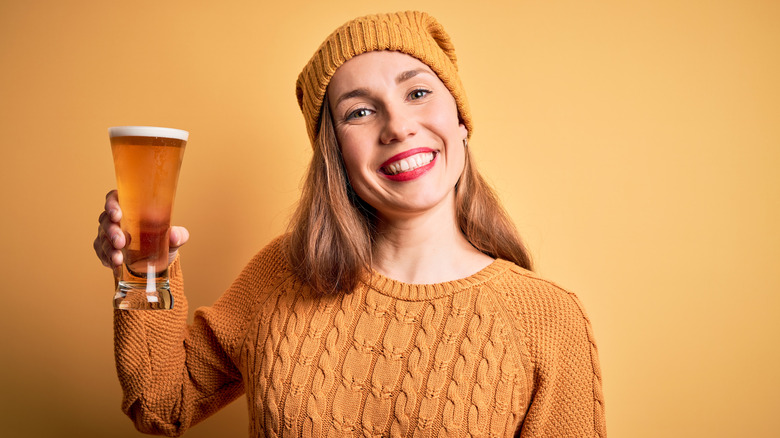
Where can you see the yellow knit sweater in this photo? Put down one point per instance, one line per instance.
(494, 354)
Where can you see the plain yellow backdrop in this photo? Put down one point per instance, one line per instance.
(635, 143)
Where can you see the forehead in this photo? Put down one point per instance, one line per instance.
(369, 66)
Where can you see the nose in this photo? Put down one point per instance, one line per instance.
(399, 124)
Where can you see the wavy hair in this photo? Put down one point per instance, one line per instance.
(331, 234)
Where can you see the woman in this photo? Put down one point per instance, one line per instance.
(401, 302)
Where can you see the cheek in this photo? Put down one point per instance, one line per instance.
(357, 176)
(445, 117)
(349, 151)
(458, 158)
(354, 163)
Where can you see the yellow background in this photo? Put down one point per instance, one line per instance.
(636, 145)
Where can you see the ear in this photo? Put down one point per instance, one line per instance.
(464, 133)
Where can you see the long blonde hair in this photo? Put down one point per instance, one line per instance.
(331, 234)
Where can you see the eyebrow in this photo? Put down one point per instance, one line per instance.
(405, 76)
(357, 92)
(362, 92)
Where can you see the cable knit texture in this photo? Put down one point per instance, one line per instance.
(501, 353)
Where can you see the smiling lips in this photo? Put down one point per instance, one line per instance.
(408, 165)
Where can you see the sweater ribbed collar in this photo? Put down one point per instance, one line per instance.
(421, 292)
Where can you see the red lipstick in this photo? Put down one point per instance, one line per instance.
(409, 174)
(405, 154)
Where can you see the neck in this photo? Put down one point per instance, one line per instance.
(426, 249)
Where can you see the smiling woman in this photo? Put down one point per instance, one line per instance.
(400, 303)
(401, 139)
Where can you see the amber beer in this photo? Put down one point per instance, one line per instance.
(147, 162)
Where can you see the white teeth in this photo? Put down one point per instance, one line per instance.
(409, 163)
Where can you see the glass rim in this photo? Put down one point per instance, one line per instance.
(148, 131)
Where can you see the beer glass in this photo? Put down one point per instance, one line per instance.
(147, 161)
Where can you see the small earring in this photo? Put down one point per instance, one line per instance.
(466, 142)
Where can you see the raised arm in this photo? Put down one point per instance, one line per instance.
(172, 374)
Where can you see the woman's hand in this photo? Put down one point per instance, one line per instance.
(110, 239)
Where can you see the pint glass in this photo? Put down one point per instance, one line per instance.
(147, 161)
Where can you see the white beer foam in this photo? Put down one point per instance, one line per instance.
(147, 131)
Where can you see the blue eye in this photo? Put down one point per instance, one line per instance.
(418, 94)
(359, 113)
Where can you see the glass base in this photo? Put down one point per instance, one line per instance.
(131, 295)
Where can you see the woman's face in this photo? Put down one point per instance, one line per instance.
(399, 133)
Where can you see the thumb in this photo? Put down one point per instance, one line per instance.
(179, 236)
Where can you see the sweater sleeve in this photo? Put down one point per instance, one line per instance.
(174, 375)
(566, 398)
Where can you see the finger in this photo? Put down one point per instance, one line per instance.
(112, 232)
(110, 238)
(111, 255)
(97, 245)
(106, 252)
(108, 243)
(111, 206)
(117, 258)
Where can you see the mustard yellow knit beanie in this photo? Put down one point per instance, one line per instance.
(414, 33)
